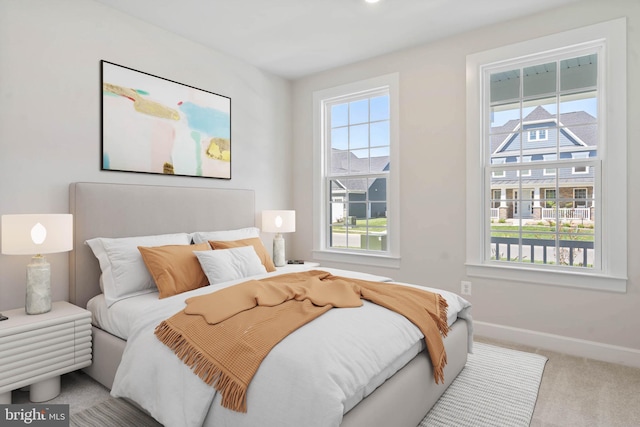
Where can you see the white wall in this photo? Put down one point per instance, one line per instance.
(50, 90)
(432, 159)
(50, 136)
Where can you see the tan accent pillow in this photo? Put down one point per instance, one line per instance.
(257, 245)
(175, 268)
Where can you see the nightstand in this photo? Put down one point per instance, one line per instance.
(290, 268)
(36, 349)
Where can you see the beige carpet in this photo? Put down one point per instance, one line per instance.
(581, 392)
(574, 392)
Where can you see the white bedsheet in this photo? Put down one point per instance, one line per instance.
(311, 378)
(118, 318)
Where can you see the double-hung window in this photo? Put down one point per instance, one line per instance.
(356, 186)
(558, 105)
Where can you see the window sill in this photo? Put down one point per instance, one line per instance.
(373, 260)
(584, 280)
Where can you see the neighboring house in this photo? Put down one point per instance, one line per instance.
(358, 197)
(538, 139)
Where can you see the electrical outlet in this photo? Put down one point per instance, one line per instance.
(465, 288)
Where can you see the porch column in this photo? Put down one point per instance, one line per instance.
(503, 210)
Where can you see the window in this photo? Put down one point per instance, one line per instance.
(549, 158)
(580, 169)
(560, 103)
(538, 135)
(495, 200)
(580, 198)
(499, 173)
(525, 172)
(357, 185)
(496, 203)
(549, 198)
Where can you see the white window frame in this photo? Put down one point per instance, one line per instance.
(502, 173)
(547, 198)
(496, 202)
(580, 155)
(549, 171)
(525, 172)
(610, 202)
(321, 251)
(585, 198)
(537, 137)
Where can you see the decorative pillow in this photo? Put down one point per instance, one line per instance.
(123, 271)
(175, 268)
(225, 236)
(257, 245)
(230, 264)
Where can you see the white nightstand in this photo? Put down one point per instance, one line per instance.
(36, 349)
(290, 268)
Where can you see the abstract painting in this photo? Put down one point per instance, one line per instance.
(155, 125)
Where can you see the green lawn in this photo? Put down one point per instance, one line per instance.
(375, 225)
(497, 230)
(543, 232)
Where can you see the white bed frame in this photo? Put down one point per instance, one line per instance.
(121, 210)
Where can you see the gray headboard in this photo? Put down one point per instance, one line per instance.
(122, 210)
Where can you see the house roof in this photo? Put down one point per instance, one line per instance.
(580, 127)
(345, 162)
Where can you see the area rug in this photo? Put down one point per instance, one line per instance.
(498, 387)
(112, 413)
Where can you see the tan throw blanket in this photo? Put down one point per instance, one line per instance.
(225, 335)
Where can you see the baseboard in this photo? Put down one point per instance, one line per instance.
(572, 346)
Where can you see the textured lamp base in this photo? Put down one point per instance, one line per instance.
(38, 286)
(278, 251)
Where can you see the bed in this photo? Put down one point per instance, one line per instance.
(405, 393)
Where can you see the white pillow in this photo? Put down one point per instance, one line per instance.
(124, 273)
(222, 265)
(226, 235)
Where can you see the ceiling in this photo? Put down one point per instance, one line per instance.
(294, 38)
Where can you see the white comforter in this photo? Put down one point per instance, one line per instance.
(311, 378)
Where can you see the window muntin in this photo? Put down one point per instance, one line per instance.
(609, 200)
(555, 230)
(334, 195)
(357, 170)
(358, 214)
(543, 114)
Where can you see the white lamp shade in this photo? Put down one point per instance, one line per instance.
(278, 221)
(32, 234)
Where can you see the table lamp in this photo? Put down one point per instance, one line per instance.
(37, 234)
(278, 222)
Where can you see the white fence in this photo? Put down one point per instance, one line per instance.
(550, 213)
(567, 213)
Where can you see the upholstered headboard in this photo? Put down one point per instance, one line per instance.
(122, 210)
